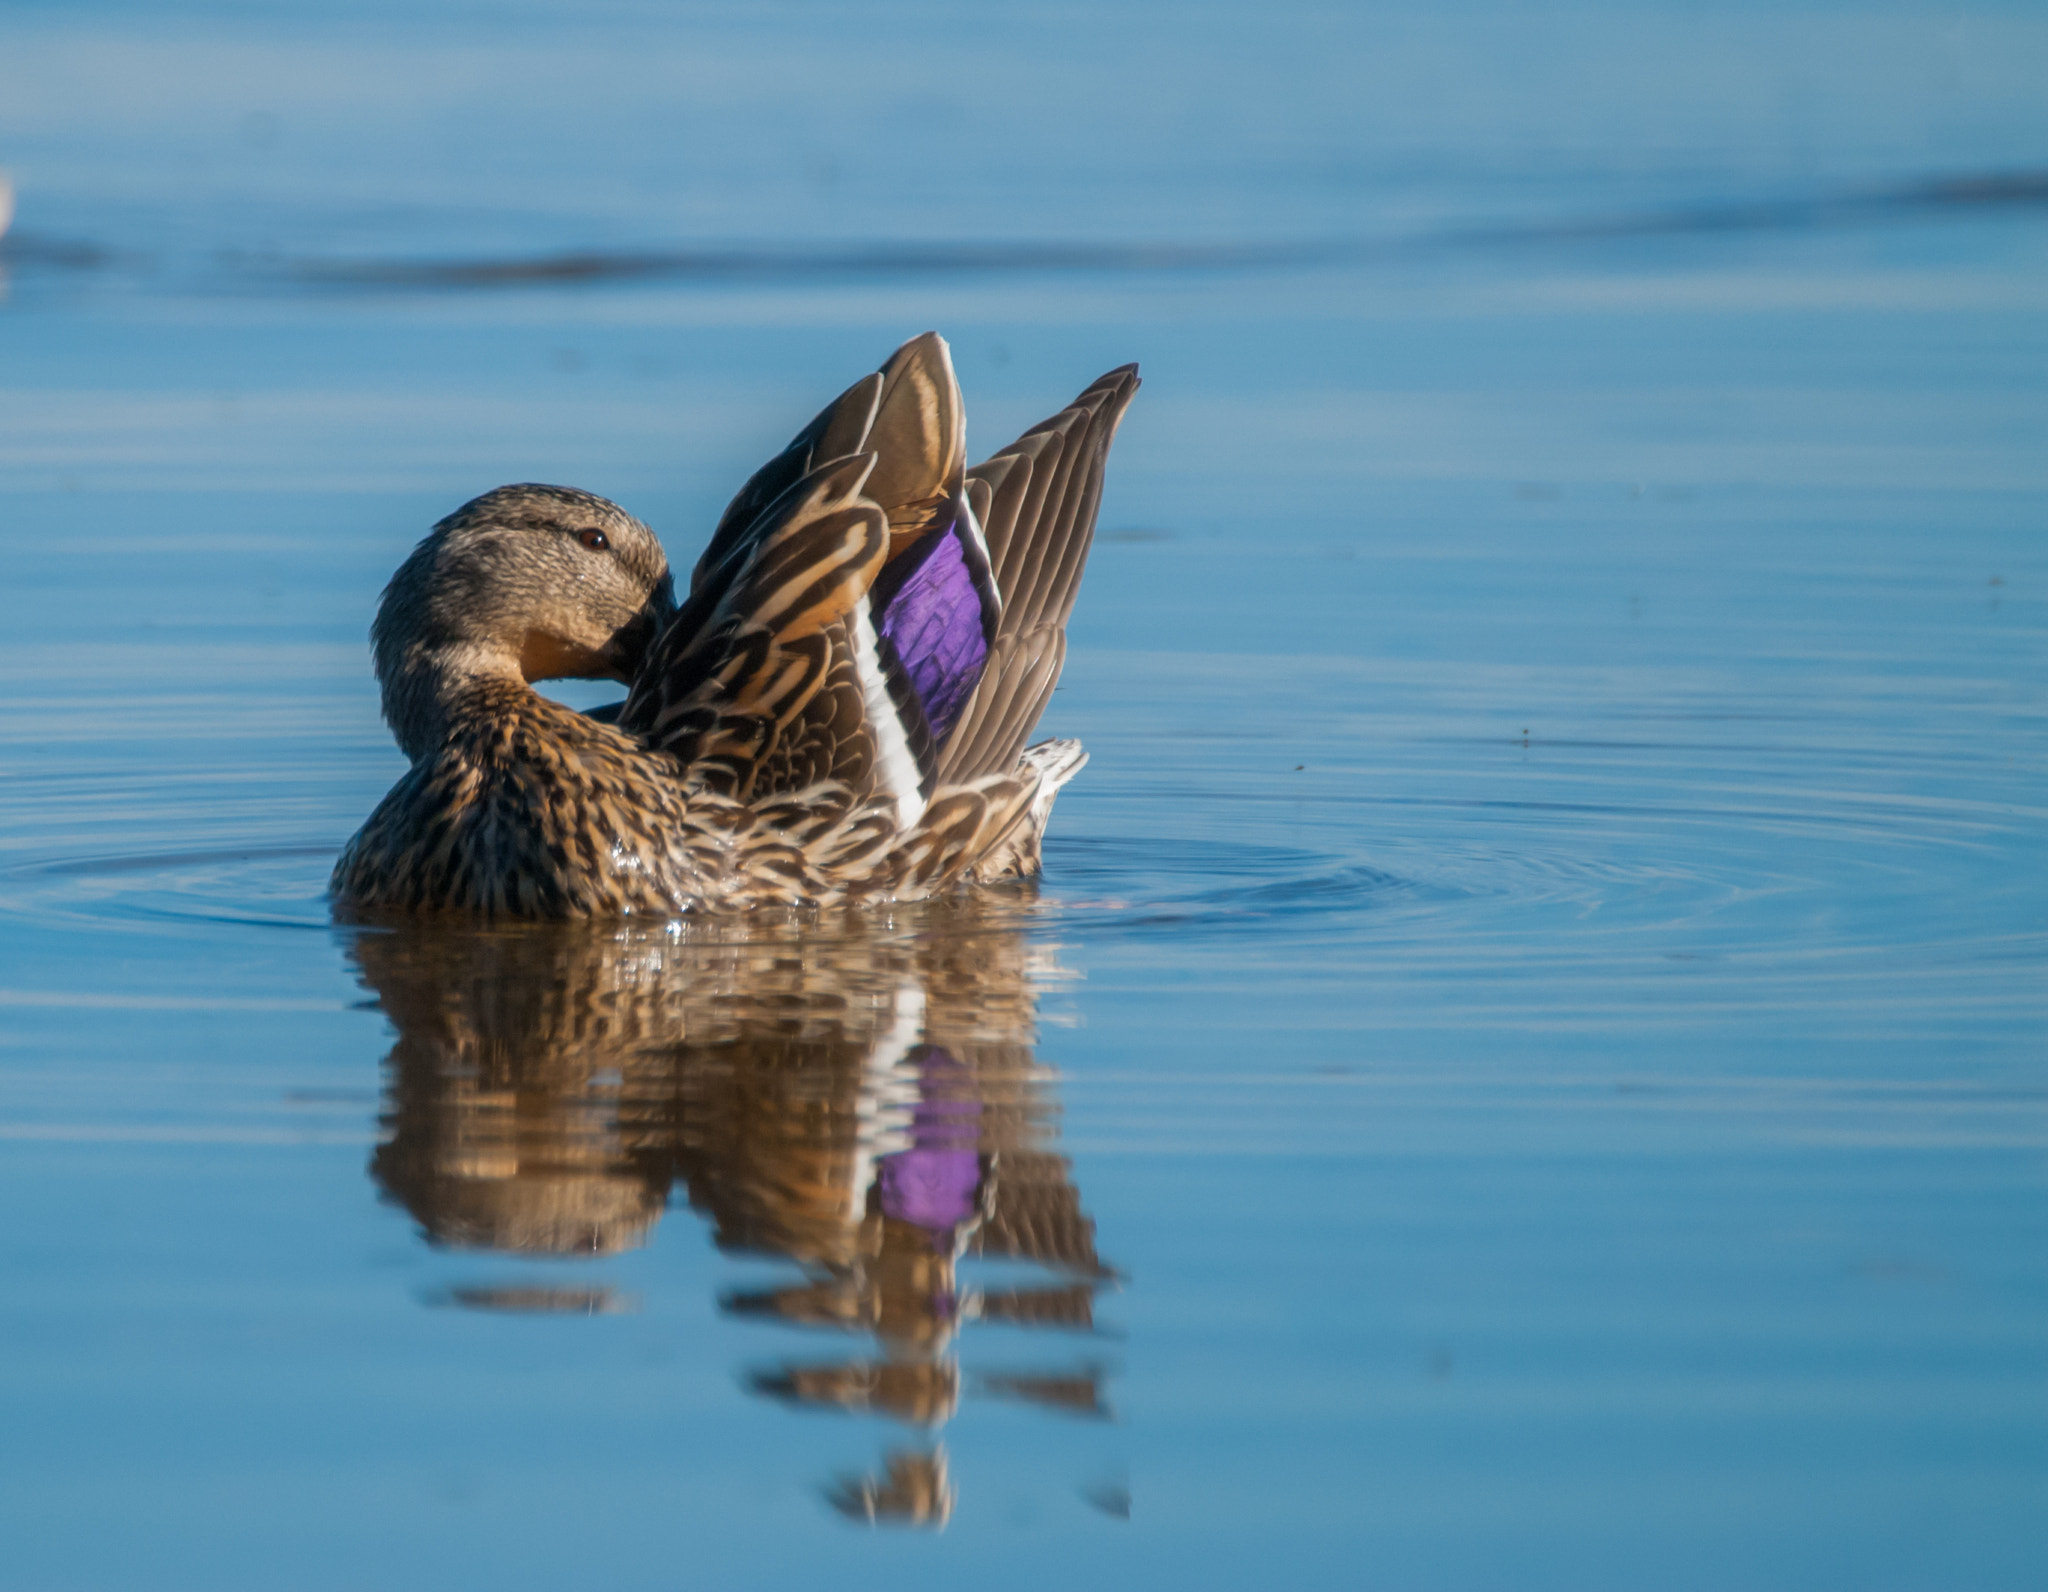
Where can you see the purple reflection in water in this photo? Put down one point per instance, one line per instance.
(934, 1183)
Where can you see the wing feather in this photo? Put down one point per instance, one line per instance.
(1043, 492)
(1022, 670)
(897, 667)
(920, 437)
(839, 429)
(801, 681)
(731, 681)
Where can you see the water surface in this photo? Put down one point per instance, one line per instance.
(1526, 1068)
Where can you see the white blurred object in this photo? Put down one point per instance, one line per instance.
(6, 202)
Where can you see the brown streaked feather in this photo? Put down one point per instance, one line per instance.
(1045, 551)
(562, 817)
(1018, 852)
(909, 418)
(920, 436)
(1042, 494)
(1018, 493)
(1015, 686)
(839, 429)
(723, 689)
(958, 825)
(829, 738)
(531, 810)
(746, 766)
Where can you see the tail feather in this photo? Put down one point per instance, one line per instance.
(1020, 854)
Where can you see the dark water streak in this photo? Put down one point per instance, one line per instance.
(1902, 204)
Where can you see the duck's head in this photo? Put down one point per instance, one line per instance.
(538, 582)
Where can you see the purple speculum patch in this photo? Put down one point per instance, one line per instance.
(935, 1183)
(936, 621)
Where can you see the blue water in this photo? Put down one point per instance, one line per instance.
(1527, 1067)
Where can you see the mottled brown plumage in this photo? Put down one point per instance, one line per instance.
(770, 750)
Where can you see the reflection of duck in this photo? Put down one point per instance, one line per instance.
(511, 1123)
(858, 1096)
(838, 711)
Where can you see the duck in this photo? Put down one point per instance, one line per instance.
(835, 713)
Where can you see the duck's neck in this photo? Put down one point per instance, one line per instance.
(431, 693)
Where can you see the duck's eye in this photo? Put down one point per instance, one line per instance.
(596, 541)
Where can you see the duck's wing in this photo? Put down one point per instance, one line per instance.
(935, 607)
(1035, 503)
(912, 672)
(896, 664)
(839, 429)
(908, 414)
(969, 613)
(751, 678)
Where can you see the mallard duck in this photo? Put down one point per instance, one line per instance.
(836, 712)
